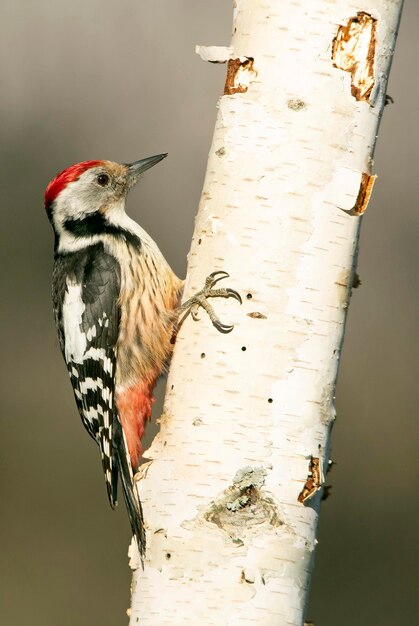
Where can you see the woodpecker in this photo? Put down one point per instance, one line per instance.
(116, 305)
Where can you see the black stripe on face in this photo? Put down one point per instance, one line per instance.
(97, 224)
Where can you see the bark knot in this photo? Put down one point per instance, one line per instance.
(243, 505)
(295, 104)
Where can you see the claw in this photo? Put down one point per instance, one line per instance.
(201, 300)
(194, 312)
(220, 273)
(235, 294)
(223, 328)
(212, 280)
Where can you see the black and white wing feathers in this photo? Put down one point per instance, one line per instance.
(86, 287)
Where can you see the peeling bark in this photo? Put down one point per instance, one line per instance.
(231, 498)
(354, 52)
(214, 54)
(240, 73)
(364, 195)
(314, 481)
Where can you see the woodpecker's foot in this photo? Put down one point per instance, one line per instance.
(200, 299)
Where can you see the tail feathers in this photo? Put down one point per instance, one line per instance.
(132, 502)
(111, 477)
(122, 466)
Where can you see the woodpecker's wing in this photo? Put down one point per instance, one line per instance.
(86, 287)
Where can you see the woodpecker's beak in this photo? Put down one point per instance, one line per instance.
(138, 167)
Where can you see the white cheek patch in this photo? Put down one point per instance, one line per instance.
(77, 200)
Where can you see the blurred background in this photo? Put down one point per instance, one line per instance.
(120, 80)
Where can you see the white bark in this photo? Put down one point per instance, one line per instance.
(246, 415)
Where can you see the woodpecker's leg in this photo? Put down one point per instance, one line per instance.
(200, 299)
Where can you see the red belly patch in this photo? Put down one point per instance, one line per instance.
(134, 408)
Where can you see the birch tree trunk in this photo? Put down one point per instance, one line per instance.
(232, 491)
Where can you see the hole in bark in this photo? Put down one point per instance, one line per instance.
(270, 400)
(249, 296)
(199, 242)
(168, 555)
(172, 387)
(244, 348)
(203, 355)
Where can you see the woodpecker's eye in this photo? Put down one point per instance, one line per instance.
(102, 180)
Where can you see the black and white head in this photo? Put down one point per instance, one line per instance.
(87, 199)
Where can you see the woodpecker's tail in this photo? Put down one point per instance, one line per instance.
(122, 466)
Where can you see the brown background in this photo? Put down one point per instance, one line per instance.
(120, 80)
